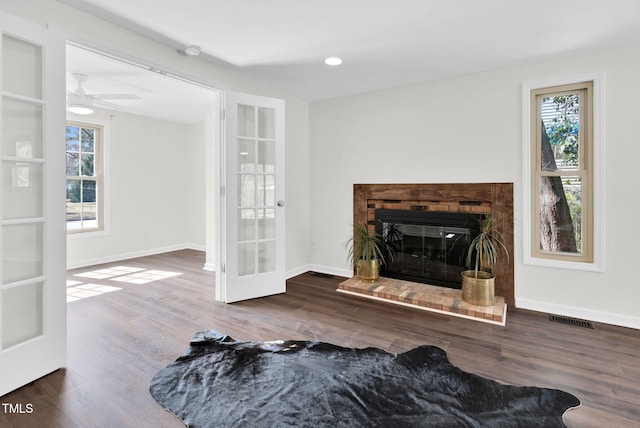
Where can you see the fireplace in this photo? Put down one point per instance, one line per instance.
(467, 198)
(426, 246)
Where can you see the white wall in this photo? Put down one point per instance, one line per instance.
(468, 129)
(82, 27)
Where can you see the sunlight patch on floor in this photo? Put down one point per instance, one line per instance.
(146, 276)
(79, 289)
(109, 272)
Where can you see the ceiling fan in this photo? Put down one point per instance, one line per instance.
(80, 102)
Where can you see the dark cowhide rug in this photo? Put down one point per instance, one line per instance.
(220, 382)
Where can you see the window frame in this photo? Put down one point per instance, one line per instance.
(592, 171)
(99, 169)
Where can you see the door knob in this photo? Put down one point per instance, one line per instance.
(280, 203)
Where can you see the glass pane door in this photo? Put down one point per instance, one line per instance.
(256, 211)
(254, 240)
(22, 233)
(32, 233)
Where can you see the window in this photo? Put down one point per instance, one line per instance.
(563, 224)
(84, 177)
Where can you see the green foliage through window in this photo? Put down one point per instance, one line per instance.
(82, 179)
(563, 127)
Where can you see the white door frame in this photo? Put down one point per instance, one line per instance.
(214, 130)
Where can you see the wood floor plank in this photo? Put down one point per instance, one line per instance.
(119, 339)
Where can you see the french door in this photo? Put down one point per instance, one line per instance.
(253, 249)
(32, 195)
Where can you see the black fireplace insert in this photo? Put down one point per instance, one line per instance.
(427, 247)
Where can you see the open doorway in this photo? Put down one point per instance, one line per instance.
(138, 166)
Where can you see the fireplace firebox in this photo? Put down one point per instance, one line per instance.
(427, 247)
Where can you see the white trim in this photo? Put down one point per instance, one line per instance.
(319, 269)
(347, 273)
(98, 47)
(87, 234)
(297, 271)
(220, 199)
(131, 255)
(598, 172)
(209, 267)
(82, 41)
(572, 311)
(196, 247)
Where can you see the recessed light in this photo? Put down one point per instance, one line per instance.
(192, 50)
(333, 60)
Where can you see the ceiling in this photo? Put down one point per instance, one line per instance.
(383, 43)
(152, 94)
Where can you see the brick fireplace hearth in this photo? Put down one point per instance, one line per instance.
(426, 297)
(479, 198)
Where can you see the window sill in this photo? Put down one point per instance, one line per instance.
(596, 266)
(87, 234)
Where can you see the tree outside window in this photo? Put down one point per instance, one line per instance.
(83, 177)
(562, 172)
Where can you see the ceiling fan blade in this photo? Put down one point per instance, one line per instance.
(115, 97)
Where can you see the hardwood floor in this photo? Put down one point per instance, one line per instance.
(118, 339)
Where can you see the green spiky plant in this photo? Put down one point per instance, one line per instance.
(364, 246)
(483, 251)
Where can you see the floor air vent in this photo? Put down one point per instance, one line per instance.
(570, 321)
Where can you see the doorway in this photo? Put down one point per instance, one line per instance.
(160, 131)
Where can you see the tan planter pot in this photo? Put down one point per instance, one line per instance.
(368, 270)
(478, 291)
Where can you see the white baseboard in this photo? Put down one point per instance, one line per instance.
(297, 271)
(131, 255)
(196, 247)
(585, 314)
(347, 273)
(320, 269)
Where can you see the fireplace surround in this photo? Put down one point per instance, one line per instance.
(470, 198)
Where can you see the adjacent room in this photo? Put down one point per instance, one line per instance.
(146, 131)
(319, 213)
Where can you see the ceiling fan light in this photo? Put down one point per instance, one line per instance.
(79, 103)
(80, 109)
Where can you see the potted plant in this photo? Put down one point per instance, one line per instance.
(478, 283)
(366, 253)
